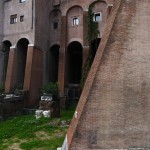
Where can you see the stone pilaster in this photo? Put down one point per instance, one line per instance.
(62, 56)
(85, 40)
(11, 70)
(33, 75)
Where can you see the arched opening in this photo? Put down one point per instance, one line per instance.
(53, 63)
(74, 22)
(99, 9)
(74, 62)
(22, 47)
(94, 47)
(5, 55)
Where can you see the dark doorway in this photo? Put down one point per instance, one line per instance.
(22, 47)
(94, 47)
(5, 53)
(53, 63)
(74, 62)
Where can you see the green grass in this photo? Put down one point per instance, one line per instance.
(48, 144)
(29, 133)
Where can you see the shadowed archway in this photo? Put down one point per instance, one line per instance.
(5, 56)
(74, 62)
(22, 47)
(53, 63)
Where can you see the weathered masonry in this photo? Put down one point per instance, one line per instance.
(46, 41)
(114, 108)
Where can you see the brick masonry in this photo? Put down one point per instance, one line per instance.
(11, 71)
(113, 111)
(33, 76)
(38, 29)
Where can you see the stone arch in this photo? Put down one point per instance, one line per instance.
(97, 5)
(96, 1)
(7, 42)
(72, 7)
(75, 39)
(53, 63)
(54, 13)
(21, 56)
(74, 62)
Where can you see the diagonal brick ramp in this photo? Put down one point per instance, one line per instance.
(114, 108)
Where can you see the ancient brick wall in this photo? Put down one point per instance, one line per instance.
(113, 111)
(33, 76)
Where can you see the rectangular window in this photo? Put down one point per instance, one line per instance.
(13, 19)
(22, 1)
(21, 18)
(97, 17)
(75, 21)
(55, 25)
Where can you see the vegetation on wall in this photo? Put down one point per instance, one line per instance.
(93, 33)
(50, 88)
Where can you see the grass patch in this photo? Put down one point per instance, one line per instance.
(31, 133)
(51, 144)
(67, 114)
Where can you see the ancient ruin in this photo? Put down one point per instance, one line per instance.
(113, 111)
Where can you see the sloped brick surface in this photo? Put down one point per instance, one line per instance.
(114, 108)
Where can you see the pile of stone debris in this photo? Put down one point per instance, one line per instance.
(48, 107)
(10, 105)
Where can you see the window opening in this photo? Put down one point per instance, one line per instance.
(22, 1)
(97, 17)
(13, 19)
(75, 21)
(21, 18)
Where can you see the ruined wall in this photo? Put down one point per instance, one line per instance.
(113, 112)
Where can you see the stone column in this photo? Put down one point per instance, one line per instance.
(33, 80)
(11, 70)
(85, 40)
(62, 55)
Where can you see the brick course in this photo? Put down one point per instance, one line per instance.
(113, 111)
